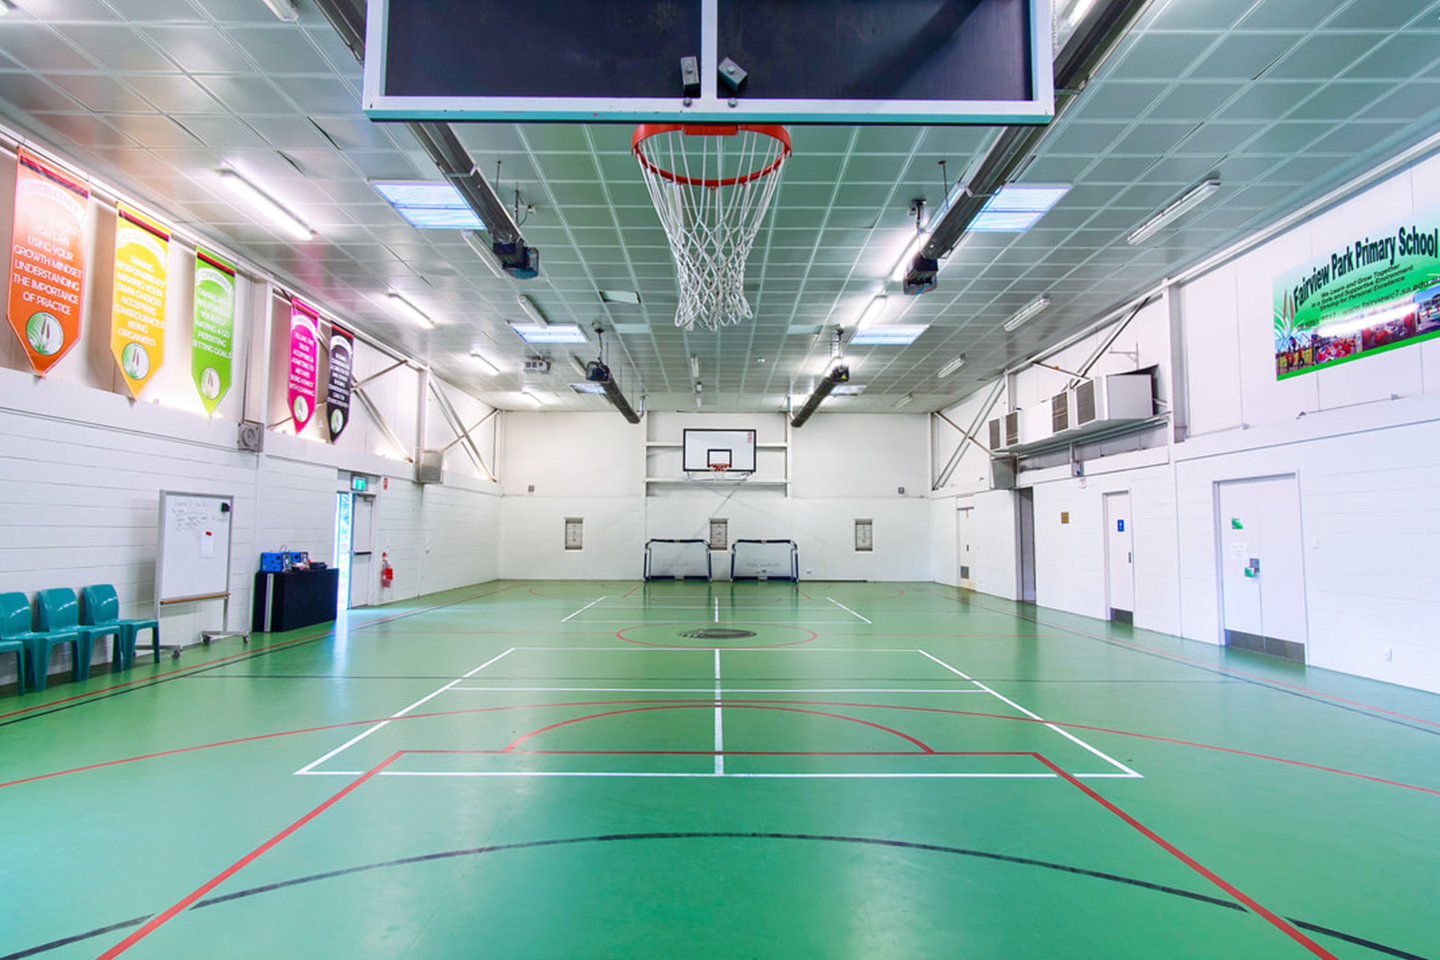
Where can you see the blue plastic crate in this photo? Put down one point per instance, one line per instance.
(272, 562)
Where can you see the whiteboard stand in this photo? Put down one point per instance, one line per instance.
(193, 557)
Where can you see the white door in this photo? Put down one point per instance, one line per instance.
(364, 565)
(1119, 557)
(1026, 501)
(965, 546)
(1262, 567)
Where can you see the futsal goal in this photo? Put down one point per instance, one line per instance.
(677, 560)
(764, 560)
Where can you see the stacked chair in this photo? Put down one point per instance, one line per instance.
(15, 623)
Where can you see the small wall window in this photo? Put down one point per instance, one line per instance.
(864, 536)
(719, 534)
(574, 533)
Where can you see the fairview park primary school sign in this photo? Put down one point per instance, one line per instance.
(1378, 292)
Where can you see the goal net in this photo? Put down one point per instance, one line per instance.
(764, 560)
(677, 560)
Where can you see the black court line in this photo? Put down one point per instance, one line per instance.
(243, 658)
(1168, 658)
(722, 835)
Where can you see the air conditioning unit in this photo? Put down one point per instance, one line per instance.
(429, 466)
(1035, 423)
(1002, 473)
(1012, 428)
(997, 434)
(1116, 398)
(1060, 413)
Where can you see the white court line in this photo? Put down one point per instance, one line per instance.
(582, 610)
(717, 609)
(711, 776)
(719, 724)
(702, 690)
(1035, 716)
(384, 723)
(848, 610)
(764, 623)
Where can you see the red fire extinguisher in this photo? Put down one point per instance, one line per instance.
(387, 572)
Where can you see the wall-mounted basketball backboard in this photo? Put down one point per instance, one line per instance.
(751, 61)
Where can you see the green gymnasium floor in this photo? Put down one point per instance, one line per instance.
(606, 770)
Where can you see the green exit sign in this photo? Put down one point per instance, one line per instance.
(359, 484)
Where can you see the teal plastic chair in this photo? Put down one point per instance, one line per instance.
(57, 610)
(18, 648)
(15, 622)
(102, 608)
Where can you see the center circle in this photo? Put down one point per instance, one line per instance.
(703, 636)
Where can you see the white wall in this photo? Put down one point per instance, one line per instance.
(594, 465)
(1362, 438)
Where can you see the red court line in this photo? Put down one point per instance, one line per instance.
(924, 748)
(1199, 663)
(246, 653)
(1280, 923)
(632, 590)
(731, 753)
(710, 703)
(801, 592)
(1249, 902)
(161, 919)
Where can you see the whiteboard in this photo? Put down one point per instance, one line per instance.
(736, 446)
(194, 555)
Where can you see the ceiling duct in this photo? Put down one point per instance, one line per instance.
(1093, 41)
(597, 372)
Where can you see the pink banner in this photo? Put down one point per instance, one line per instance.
(304, 362)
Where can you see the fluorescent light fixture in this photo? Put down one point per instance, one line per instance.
(482, 250)
(533, 398)
(1351, 325)
(951, 367)
(1078, 9)
(545, 333)
(1192, 199)
(1025, 313)
(267, 207)
(871, 311)
(620, 296)
(429, 204)
(889, 335)
(903, 401)
(531, 310)
(848, 389)
(694, 366)
(588, 387)
(1016, 207)
(913, 247)
(284, 9)
(409, 311)
(484, 362)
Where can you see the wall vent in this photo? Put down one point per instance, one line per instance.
(1059, 413)
(1084, 402)
(1012, 428)
(251, 436)
(995, 443)
(429, 466)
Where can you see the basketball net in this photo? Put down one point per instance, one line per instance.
(711, 186)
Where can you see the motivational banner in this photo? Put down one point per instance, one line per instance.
(304, 362)
(342, 365)
(137, 321)
(47, 261)
(212, 347)
(1378, 292)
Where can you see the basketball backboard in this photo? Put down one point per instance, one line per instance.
(801, 61)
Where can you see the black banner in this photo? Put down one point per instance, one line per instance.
(342, 365)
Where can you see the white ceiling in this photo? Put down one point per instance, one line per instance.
(1284, 99)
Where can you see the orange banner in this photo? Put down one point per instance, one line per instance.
(47, 261)
(137, 323)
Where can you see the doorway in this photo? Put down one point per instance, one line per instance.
(1262, 566)
(965, 551)
(1119, 558)
(354, 532)
(1026, 501)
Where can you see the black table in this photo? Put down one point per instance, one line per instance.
(293, 599)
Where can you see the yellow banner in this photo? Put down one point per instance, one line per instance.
(137, 330)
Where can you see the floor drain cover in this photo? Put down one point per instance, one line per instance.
(717, 633)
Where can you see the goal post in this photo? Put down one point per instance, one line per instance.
(677, 560)
(764, 560)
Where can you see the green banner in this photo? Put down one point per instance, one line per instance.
(212, 346)
(1379, 292)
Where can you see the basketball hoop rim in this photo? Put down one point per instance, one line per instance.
(647, 130)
